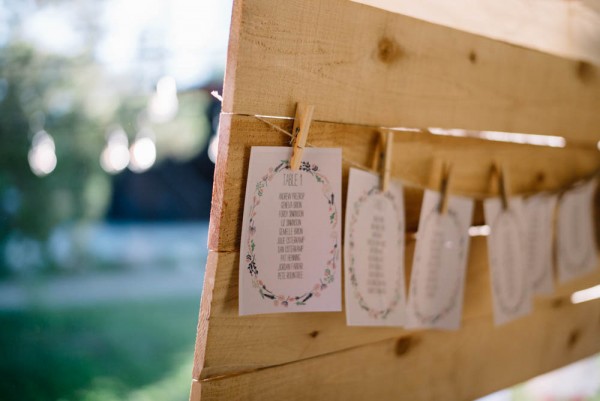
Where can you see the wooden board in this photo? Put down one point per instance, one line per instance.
(362, 65)
(426, 365)
(365, 68)
(565, 28)
(529, 167)
(237, 344)
(230, 346)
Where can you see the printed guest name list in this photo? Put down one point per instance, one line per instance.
(290, 241)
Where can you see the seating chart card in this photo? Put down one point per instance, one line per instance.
(538, 224)
(576, 242)
(438, 272)
(511, 289)
(374, 252)
(291, 233)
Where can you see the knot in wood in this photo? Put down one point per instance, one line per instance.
(573, 338)
(388, 50)
(585, 71)
(403, 344)
(558, 303)
(540, 178)
(473, 57)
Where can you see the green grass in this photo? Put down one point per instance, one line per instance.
(130, 351)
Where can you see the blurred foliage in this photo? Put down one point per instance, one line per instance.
(40, 92)
(77, 103)
(130, 351)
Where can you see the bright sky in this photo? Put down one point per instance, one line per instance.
(186, 39)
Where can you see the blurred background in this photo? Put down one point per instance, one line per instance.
(106, 167)
(107, 149)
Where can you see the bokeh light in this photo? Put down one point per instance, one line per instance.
(42, 155)
(115, 156)
(163, 105)
(142, 154)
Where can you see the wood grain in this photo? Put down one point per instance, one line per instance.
(530, 168)
(365, 68)
(430, 365)
(566, 28)
(362, 65)
(235, 344)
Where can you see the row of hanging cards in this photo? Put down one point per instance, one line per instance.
(521, 246)
(290, 257)
(374, 257)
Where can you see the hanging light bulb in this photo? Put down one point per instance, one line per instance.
(163, 104)
(42, 154)
(142, 152)
(115, 156)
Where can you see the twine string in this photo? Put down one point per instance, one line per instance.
(478, 196)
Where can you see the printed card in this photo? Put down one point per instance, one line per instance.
(538, 224)
(374, 252)
(439, 265)
(291, 238)
(576, 243)
(511, 289)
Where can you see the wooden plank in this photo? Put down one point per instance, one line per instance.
(228, 344)
(565, 28)
(365, 68)
(430, 365)
(235, 344)
(362, 65)
(531, 168)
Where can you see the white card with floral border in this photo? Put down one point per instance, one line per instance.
(539, 224)
(374, 252)
(439, 265)
(510, 280)
(291, 233)
(576, 243)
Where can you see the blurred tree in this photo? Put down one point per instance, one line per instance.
(69, 95)
(40, 92)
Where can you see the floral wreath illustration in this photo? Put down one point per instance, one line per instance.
(397, 295)
(432, 318)
(502, 302)
(330, 268)
(570, 262)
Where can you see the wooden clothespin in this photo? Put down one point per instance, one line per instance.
(387, 161)
(378, 154)
(445, 188)
(499, 176)
(302, 122)
(381, 162)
